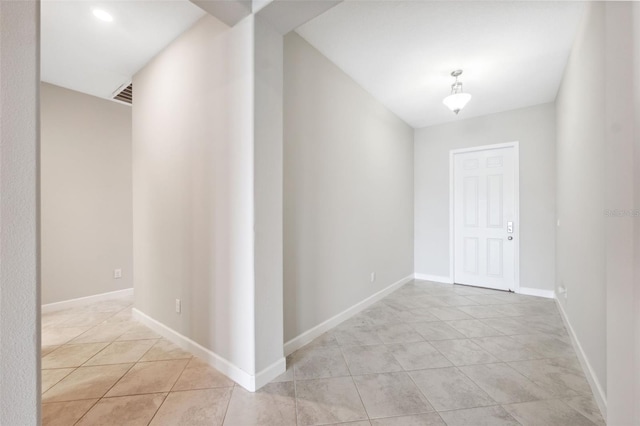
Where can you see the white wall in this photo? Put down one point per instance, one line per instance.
(581, 163)
(86, 201)
(534, 128)
(19, 214)
(192, 188)
(348, 191)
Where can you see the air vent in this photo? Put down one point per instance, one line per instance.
(125, 95)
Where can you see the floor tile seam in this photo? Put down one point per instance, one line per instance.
(73, 369)
(114, 384)
(118, 363)
(85, 413)
(477, 385)
(295, 389)
(484, 406)
(177, 378)
(366, 412)
(339, 376)
(226, 410)
(73, 366)
(522, 375)
(157, 392)
(542, 357)
(475, 319)
(433, 410)
(543, 387)
(165, 359)
(545, 359)
(560, 400)
(424, 394)
(158, 409)
(479, 363)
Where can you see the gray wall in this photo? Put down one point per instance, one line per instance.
(635, 395)
(348, 191)
(621, 56)
(534, 128)
(19, 214)
(193, 189)
(86, 194)
(580, 247)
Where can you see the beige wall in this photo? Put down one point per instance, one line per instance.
(86, 195)
(581, 267)
(348, 191)
(534, 129)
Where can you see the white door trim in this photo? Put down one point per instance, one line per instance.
(516, 233)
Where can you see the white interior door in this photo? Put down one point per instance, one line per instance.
(484, 206)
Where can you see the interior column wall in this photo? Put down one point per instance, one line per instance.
(193, 191)
(268, 193)
(621, 240)
(581, 158)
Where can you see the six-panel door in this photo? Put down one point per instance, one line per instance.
(484, 205)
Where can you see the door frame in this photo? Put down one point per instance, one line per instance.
(516, 234)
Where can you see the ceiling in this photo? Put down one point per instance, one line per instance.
(82, 53)
(402, 52)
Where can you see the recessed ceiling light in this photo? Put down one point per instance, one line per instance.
(102, 15)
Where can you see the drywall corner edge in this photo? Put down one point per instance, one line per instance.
(596, 388)
(306, 337)
(241, 377)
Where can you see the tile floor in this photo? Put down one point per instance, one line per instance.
(428, 354)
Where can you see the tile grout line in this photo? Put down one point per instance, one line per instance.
(355, 385)
(295, 387)
(226, 410)
(158, 409)
(103, 395)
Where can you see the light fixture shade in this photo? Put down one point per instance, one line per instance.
(456, 101)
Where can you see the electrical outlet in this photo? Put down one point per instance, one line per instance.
(117, 274)
(373, 277)
(178, 306)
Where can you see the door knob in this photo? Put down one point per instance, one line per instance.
(509, 238)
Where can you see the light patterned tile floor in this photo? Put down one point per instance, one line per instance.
(428, 354)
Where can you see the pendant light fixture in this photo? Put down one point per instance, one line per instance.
(457, 99)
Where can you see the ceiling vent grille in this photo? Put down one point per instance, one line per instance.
(125, 95)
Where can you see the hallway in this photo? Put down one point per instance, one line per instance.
(428, 354)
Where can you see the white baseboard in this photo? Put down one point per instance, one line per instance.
(238, 375)
(549, 294)
(81, 301)
(434, 278)
(306, 337)
(597, 390)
